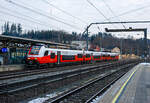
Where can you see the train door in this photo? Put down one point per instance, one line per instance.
(84, 56)
(91, 57)
(58, 57)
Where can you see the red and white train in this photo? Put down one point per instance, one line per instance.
(40, 55)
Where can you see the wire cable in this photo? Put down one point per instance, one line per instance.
(65, 12)
(98, 10)
(112, 12)
(130, 11)
(21, 18)
(39, 13)
(39, 10)
(41, 22)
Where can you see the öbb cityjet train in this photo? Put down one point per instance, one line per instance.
(41, 55)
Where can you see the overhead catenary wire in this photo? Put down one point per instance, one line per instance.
(63, 11)
(121, 14)
(130, 11)
(32, 18)
(39, 10)
(112, 12)
(21, 18)
(39, 13)
(98, 10)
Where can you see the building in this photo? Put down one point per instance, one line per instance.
(115, 50)
(80, 44)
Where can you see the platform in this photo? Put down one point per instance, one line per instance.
(133, 87)
(4, 68)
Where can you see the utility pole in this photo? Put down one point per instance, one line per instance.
(87, 36)
(87, 39)
(101, 42)
(121, 48)
(145, 43)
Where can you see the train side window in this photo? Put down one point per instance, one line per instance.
(52, 55)
(80, 56)
(88, 56)
(46, 53)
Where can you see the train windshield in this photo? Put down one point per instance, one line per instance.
(35, 50)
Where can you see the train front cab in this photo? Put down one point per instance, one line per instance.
(39, 55)
(33, 55)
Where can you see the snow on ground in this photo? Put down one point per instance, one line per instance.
(97, 99)
(144, 63)
(39, 100)
(43, 99)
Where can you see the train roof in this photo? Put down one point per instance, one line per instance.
(65, 50)
(81, 51)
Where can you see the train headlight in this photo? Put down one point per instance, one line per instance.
(29, 58)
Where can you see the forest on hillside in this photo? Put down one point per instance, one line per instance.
(105, 40)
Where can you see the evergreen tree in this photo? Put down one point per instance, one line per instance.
(13, 30)
(19, 29)
(6, 28)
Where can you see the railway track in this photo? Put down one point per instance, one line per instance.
(87, 92)
(9, 89)
(18, 73)
(15, 74)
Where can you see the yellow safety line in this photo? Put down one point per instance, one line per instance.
(123, 86)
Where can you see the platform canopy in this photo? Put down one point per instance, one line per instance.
(11, 41)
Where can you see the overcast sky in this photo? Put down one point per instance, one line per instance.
(73, 15)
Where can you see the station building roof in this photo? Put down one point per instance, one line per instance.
(8, 39)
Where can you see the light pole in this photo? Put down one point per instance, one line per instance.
(121, 48)
(87, 39)
(101, 41)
